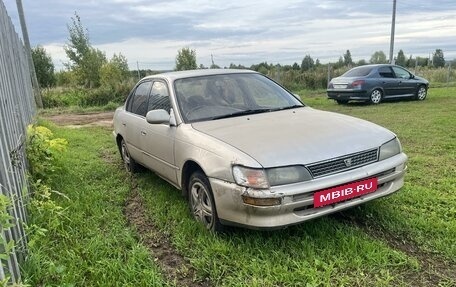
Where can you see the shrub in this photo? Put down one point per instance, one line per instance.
(42, 149)
(82, 97)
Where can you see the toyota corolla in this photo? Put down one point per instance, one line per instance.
(244, 151)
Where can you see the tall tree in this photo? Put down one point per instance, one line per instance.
(422, 61)
(438, 60)
(43, 66)
(295, 66)
(186, 59)
(401, 60)
(348, 59)
(85, 60)
(115, 71)
(410, 62)
(378, 57)
(307, 63)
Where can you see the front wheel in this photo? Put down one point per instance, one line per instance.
(421, 93)
(201, 201)
(376, 97)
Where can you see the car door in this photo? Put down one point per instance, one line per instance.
(406, 85)
(157, 140)
(134, 118)
(387, 81)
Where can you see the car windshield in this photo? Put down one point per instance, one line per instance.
(229, 95)
(358, 72)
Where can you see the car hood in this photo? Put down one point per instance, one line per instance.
(421, 79)
(297, 136)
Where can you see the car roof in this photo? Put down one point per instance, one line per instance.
(198, 73)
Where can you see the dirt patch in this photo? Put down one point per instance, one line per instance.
(174, 266)
(83, 120)
(434, 268)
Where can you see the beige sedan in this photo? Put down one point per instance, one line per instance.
(246, 152)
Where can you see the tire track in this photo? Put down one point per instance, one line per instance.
(174, 266)
(435, 270)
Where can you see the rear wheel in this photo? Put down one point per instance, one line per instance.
(130, 164)
(376, 96)
(201, 201)
(421, 93)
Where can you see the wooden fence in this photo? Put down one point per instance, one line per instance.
(17, 109)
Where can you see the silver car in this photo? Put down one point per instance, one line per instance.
(244, 151)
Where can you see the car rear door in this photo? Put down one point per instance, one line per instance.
(157, 140)
(388, 82)
(134, 118)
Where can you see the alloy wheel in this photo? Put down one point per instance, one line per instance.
(421, 93)
(376, 96)
(201, 204)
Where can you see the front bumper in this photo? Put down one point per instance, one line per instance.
(297, 199)
(346, 95)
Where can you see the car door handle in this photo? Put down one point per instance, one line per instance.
(124, 124)
(143, 133)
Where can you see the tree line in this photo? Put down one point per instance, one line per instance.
(106, 79)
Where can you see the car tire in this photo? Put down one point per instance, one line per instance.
(201, 202)
(421, 93)
(130, 164)
(376, 97)
(342, 102)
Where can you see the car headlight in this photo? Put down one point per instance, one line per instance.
(250, 177)
(287, 175)
(260, 178)
(389, 149)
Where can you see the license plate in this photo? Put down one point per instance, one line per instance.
(344, 192)
(339, 86)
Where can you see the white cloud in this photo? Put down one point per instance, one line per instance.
(249, 32)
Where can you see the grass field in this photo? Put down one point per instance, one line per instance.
(408, 239)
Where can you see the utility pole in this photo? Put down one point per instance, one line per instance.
(28, 51)
(212, 60)
(137, 66)
(393, 25)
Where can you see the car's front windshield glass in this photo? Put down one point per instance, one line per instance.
(229, 95)
(358, 72)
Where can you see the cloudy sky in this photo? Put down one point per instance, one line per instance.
(242, 31)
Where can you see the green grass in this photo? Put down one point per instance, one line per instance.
(95, 246)
(78, 109)
(92, 246)
(425, 209)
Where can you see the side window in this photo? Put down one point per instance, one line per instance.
(159, 97)
(401, 73)
(385, 72)
(138, 102)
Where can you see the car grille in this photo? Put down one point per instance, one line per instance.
(343, 163)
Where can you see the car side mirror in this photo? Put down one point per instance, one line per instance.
(158, 117)
(412, 76)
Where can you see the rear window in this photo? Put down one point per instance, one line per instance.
(358, 72)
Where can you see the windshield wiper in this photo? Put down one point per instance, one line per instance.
(242, 113)
(255, 111)
(287, 108)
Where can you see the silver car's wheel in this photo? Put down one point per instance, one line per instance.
(202, 203)
(129, 163)
(421, 93)
(376, 96)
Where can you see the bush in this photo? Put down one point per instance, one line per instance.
(42, 149)
(82, 97)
